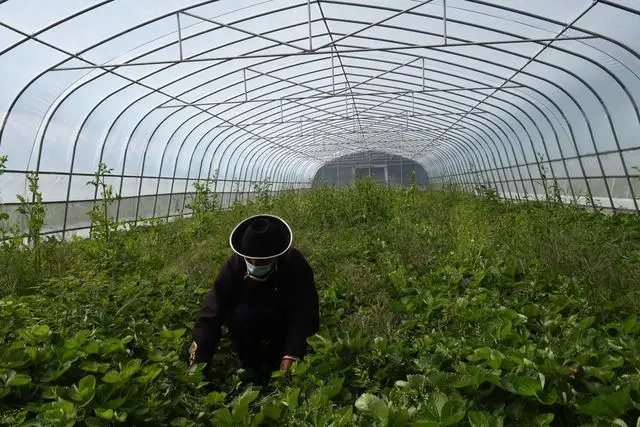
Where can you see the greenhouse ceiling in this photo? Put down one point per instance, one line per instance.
(517, 95)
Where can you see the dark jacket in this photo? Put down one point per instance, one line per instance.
(290, 293)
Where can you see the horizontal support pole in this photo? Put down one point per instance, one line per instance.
(71, 201)
(177, 178)
(341, 95)
(355, 132)
(350, 118)
(345, 51)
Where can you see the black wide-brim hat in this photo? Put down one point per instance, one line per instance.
(261, 237)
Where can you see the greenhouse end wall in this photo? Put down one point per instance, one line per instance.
(383, 168)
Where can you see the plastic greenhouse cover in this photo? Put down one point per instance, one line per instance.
(169, 92)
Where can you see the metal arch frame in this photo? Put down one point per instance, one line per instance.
(623, 87)
(75, 56)
(597, 153)
(552, 128)
(444, 90)
(613, 128)
(567, 174)
(586, 182)
(606, 186)
(497, 117)
(190, 89)
(202, 84)
(503, 67)
(248, 158)
(81, 85)
(165, 119)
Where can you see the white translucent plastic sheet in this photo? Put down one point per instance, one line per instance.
(171, 92)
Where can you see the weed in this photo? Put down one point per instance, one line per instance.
(102, 225)
(34, 212)
(205, 199)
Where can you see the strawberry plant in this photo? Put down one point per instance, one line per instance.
(437, 308)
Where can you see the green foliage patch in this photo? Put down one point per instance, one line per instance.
(437, 309)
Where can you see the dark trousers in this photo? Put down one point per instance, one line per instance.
(258, 338)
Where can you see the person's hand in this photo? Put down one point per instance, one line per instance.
(286, 362)
(192, 357)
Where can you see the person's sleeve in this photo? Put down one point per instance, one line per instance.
(304, 316)
(207, 329)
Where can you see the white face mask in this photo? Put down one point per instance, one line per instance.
(258, 271)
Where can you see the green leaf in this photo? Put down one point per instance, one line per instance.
(631, 325)
(343, 417)
(214, 398)
(61, 413)
(112, 377)
(494, 358)
(543, 420)
(426, 423)
(112, 345)
(531, 310)
(247, 397)
(452, 412)
(122, 417)
(417, 381)
(77, 340)
(51, 392)
(149, 373)
(478, 419)
(372, 405)
(506, 329)
(271, 412)
(54, 374)
(92, 348)
(602, 374)
(105, 414)
(257, 419)
(17, 380)
(87, 383)
(116, 403)
(85, 391)
(222, 417)
(291, 398)
(95, 367)
(130, 368)
(434, 405)
(241, 404)
(524, 386)
(333, 388)
(584, 324)
(612, 405)
(619, 422)
(39, 332)
(13, 417)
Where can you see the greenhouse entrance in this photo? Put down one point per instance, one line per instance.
(378, 173)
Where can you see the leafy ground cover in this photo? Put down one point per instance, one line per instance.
(438, 308)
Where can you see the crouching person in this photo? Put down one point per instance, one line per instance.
(265, 293)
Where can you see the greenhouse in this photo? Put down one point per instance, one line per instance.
(462, 177)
